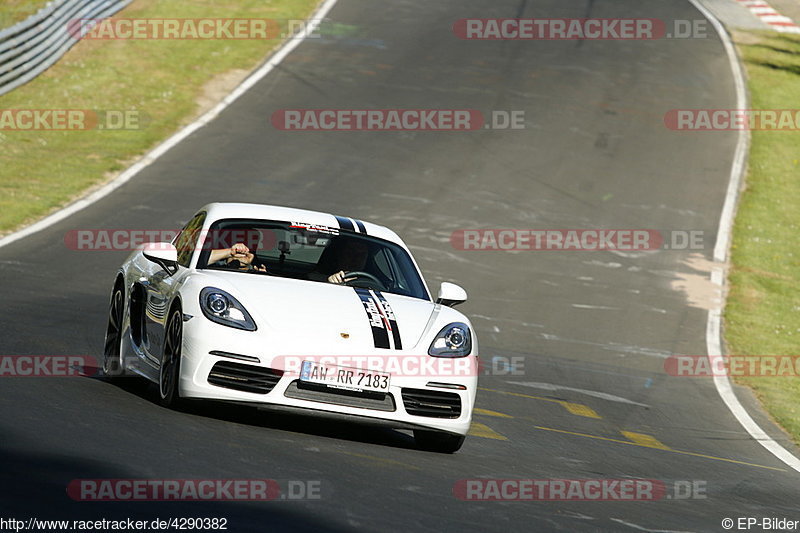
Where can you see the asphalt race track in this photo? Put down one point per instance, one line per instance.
(594, 154)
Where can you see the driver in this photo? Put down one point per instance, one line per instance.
(350, 257)
(342, 255)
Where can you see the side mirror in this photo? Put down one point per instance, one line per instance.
(163, 254)
(451, 294)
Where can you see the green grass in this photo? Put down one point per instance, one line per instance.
(13, 11)
(41, 171)
(762, 316)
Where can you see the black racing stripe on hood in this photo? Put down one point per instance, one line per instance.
(398, 344)
(379, 334)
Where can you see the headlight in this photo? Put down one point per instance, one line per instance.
(220, 307)
(455, 340)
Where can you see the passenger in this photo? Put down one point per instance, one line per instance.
(237, 256)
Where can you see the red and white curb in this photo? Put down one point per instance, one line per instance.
(769, 16)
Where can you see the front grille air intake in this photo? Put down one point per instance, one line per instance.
(245, 378)
(430, 403)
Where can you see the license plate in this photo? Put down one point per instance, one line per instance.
(342, 377)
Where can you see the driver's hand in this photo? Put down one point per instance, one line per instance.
(339, 278)
(244, 260)
(239, 249)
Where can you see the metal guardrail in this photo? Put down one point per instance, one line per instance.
(30, 47)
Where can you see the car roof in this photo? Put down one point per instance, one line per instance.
(222, 210)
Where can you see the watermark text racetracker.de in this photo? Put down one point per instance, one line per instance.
(733, 366)
(579, 28)
(361, 367)
(47, 366)
(453, 120)
(733, 119)
(407, 365)
(128, 240)
(576, 239)
(578, 489)
(72, 119)
(160, 490)
(138, 29)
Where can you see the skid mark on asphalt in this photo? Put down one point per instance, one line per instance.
(611, 346)
(640, 528)
(595, 394)
(577, 409)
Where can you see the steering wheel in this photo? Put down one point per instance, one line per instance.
(361, 274)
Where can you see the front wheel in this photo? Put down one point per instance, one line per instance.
(112, 364)
(169, 376)
(437, 441)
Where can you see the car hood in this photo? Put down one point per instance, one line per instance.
(321, 318)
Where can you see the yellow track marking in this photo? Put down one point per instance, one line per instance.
(636, 439)
(574, 408)
(629, 443)
(480, 430)
(645, 440)
(479, 411)
(580, 409)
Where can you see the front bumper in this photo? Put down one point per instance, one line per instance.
(411, 401)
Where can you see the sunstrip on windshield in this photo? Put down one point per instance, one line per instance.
(314, 227)
(376, 321)
(391, 319)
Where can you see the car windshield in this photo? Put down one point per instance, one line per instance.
(312, 253)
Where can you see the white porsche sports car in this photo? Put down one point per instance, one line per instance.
(291, 309)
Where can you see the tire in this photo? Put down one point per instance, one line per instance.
(437, 441)
(112, 347)
(169, 375)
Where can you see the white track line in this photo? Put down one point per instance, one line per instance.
(291, 43)
(713, 326)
